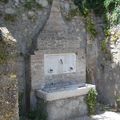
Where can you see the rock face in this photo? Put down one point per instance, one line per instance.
(10, 11)
(8, 80)
(44, 3)
(112, 67)
(24, 20)
(103, 67)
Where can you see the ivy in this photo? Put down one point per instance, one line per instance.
(85, 6)
(111, 8)
(90, 26)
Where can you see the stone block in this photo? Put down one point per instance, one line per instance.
(63, 109)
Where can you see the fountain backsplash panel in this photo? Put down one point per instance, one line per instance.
(59, 63)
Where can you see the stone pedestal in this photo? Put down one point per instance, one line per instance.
(62, 109)
(66, 104)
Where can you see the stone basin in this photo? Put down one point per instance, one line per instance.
(50, 94)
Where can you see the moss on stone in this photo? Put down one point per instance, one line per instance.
(10, 18)
(90, 27)
(106, 51)
(104, 46)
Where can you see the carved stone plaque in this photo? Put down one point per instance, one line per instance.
(59, 63)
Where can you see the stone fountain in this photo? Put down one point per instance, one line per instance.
(58, 69)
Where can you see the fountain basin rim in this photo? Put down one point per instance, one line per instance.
(68, 93)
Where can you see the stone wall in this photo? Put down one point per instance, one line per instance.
(59, 37)
(103, 62)
(8, 78)
(24, 20)
(108, 70)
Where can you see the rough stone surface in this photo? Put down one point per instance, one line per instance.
(8, 80)
(24, 24)
(9, 11)
(111, 69)
(64, 109)
(58, 37)
(44, 3)
(26, 27)
(103, 68)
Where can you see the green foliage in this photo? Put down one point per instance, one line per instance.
(29, 4)
(91, 101)
(105, 50)
(104, 46)
(111, 8)
(112, 11)
(90, 26)
(85, 6)
(10, 18)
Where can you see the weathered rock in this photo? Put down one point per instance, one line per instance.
(24, 17)
(16, 2)
(8, 80)
(10, 11)
(31, 14)
(44, 3)
(67, 6)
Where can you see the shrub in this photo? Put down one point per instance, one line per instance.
(91, 101)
